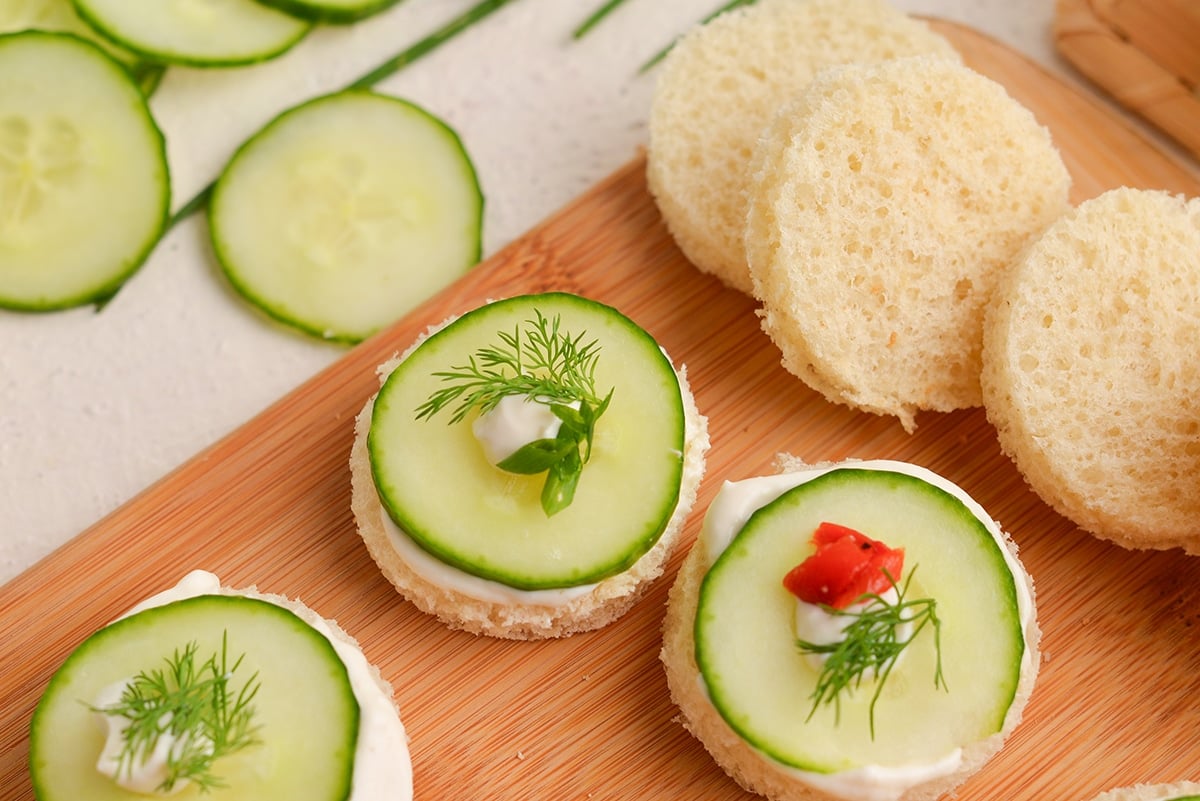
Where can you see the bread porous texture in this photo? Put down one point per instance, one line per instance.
(749, 768)
(1090, 373)
(608, 600)
(888, 201)
(718, 88)
(1151, 792)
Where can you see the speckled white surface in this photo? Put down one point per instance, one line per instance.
(94, 407)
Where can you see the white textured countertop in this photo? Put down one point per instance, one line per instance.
(94, 407)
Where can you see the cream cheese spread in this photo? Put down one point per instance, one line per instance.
(816, 625)
(435, 571)
(728, 513)
(514, 422)
(382, 766)
(144, 776)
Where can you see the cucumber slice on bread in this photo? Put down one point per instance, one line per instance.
(84, 185)
(304, 709)
(225, 34)
(437, 486)
(345, 212)
(744, 609)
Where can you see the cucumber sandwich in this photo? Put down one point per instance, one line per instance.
(203, 691)
(859, 631)
(525, 469)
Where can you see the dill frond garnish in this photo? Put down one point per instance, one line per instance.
(548, 366)
(871, 644)
(192, 703)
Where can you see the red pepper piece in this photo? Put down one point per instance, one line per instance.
(845, 566)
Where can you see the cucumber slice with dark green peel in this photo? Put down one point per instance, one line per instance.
(344, 213)
(147, 75)
(304, 709)
(226, 33)
(439, 488)
(335, 12)
(763, 686)
(84, 185)
(59, 16)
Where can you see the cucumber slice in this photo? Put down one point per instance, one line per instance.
(346, 212)
(199, 34)
(437, 486)
(337, 12)
(81, 154)
(59, 16)
(305, 706)
(762, 685)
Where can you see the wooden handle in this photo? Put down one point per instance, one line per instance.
(1129, 74)
(1168, 31)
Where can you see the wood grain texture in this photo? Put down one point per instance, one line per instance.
(1168, 31)
(1121, 46)
(588, 717)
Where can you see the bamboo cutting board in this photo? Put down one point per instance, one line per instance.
(588, 717)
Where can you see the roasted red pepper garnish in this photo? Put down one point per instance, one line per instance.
(845, 566)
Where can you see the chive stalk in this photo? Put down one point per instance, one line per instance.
(595, 18)
(661, 54)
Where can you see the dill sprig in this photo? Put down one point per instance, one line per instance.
(870, 644)
(547, 365)
(192, 703)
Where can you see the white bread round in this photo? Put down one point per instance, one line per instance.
(608, 600)
(749, 768)
(888, 201)
(720, 85)
(1151, 792)
(1090, 370)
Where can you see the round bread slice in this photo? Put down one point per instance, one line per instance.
(756, 772)
(515, 616)
(1153, 792)
(1090, 373)
(720, 85)
(889, 200)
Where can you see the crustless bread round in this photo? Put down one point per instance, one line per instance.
(888, 200)
(720, 85)
(1090, 368)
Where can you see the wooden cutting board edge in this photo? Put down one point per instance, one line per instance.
(48, 608)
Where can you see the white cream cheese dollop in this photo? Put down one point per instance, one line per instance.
(514, 422)
(145, 777)
(816, 625)
(382, 766)
(728, 513)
